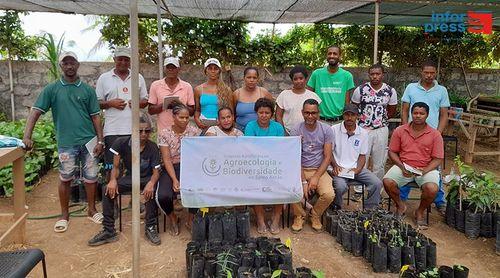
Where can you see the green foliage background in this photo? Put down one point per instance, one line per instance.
(399, 47)
(42, 158)
(13, 41)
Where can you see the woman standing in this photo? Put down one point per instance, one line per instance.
(290, 102)
(169, 140)
(211, 95)
(264, 126)
(246, 96)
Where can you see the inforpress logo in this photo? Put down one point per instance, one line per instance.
(480, 23)
(473, 22)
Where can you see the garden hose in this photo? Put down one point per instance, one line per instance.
(74, 213)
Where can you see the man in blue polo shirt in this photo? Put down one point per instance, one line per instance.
(428, 91)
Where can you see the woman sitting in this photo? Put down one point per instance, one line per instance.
(169, 140)
(264, 126)
(225, 124)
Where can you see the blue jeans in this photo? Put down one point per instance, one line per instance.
(404, 191)
(372, 183)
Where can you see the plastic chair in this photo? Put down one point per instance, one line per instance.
(157, 217)
(19, 263)
(356, 183)
(446, 139)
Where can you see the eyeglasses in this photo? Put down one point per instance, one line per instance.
(147, 131)
(311, 113)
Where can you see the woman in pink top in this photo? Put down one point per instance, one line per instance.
(169, 140)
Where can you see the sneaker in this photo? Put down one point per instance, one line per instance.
(356, 197)
(315, 221)
(298, 224)
(152, 235)
(103, 237)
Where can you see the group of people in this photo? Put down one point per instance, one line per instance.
(342, 128)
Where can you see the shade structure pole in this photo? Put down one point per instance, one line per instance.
(375, 34)
(160, 42)
(134, 43)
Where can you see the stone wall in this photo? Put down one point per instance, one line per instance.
(30, 77)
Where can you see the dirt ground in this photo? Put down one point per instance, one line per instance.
(69, 256)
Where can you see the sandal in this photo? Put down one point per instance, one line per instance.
(420, 223)
(96, 218)
(61, 226)
(275, 229)
(174, 229)
(262, 230)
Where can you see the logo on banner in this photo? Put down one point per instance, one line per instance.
(211, 167)
(472, 22)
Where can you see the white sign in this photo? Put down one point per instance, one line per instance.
(231, 171)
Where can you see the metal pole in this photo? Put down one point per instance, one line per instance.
(11, 83)
(375, 35)
(134, 43)
(160, 42)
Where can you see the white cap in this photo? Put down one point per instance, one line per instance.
(67, 54)
(212, 61)
(122, 52)
(171, 60)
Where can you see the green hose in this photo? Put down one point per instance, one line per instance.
(74, 213)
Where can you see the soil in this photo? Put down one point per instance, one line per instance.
(68, 255)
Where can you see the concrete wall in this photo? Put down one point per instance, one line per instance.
(30, 77)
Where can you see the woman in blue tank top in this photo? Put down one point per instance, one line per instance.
(246, 96)
(211, 95)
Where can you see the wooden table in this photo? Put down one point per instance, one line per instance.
(17, 231)
(474, 122)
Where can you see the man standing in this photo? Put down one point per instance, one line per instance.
(350, 147)
(428, 91)
(316, 138)
(75, 112)
(114, 94)
(377, 102)
(333, 85)
(416, 150)
(170, 86)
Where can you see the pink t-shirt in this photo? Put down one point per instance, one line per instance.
(168, 138)
(159, 90)
(419, 151)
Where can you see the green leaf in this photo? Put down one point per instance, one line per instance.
(276, 273)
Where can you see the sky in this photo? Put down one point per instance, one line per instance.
(81, 42)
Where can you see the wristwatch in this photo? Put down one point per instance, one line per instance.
(100, 143)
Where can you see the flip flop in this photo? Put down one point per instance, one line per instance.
(420, 223)
(96, 218)
(275, 229)
(262, 230)
(61, 226)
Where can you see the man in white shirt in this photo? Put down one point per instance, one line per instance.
(350, 147)
(114, 93)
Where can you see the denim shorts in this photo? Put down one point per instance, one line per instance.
(70, 158)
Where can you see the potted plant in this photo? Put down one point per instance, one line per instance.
(460, 271)
(482, 194)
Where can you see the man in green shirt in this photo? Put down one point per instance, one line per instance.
(75, 112)
(333, 85)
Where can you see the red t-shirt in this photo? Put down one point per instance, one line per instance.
(419, 151)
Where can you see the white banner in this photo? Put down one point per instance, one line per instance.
(231, 171)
